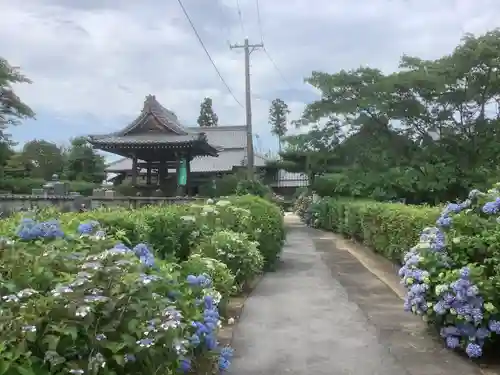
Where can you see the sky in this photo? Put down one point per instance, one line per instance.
(92, 62)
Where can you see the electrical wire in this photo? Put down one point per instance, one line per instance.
(259, 21)
(276, 66)
(224, 26)
(240, 16)
(208, 54)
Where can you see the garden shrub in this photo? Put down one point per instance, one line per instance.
(172, 230)
(220, 187)
(241, 255)
(25, 185)
(450, 257)
(220, 274)
(267, 226)
(302, 204)
(453, 272)
(78, 296)
(253, 187)
(86, 303)
(388, 228)
(223, 214)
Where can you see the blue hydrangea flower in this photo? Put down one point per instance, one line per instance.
(200, 281)
(444, 221)
(185, 365)
(195, 340)
(28, 230)
(223, 364)
(85, 228)
(491, 208)
(144, 254)
(473, 350)
(494, 326)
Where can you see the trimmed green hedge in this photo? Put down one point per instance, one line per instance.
(388, 228)
(267, 222)
(449, 257)
(25, 185)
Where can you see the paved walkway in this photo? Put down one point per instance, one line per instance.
(322, 312)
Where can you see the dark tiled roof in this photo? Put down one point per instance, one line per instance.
(227, 137)
(165, 118)
(144, 139)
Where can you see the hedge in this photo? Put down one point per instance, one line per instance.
(129, 292)
(27, 184)
(450, 259)
(388, 228)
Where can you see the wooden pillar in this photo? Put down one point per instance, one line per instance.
(180, 188)
(161, 173)
(134, 170)
(188, 175)
(148, 174)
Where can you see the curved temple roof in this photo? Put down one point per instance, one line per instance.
(155, 126)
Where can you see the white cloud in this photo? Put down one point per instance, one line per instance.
(101, 57)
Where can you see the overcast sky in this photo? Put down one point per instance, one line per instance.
(92, 62)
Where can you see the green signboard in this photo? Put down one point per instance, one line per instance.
(182, 174)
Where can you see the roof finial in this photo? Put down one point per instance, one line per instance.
(147, 102)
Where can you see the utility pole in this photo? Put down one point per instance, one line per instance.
(248, 48)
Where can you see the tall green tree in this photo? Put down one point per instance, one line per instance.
(278, 119)
(83, 163)
(310, 153)
(12, 109)
(426, 133)
(207, 117)
(45, 158)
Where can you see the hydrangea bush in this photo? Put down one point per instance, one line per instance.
(85, 303)
(302, 204)
(221, 275)
(452, 274)
(240, 254)
(266, 227)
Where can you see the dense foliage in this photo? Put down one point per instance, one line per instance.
(266, 220)
(449, 255)
(254, 187)
(278, 119)
(125, 292)
(18, 185)
(427, 133)
(39, 159)
(222, 186)
(207, 117)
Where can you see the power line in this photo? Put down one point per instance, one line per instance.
(259, 21)
(208, 54)
(240, 16)
(224, 26)
(276, 67)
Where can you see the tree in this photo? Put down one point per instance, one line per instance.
(278, 113)
(12, 109)
(83, 163)
(310, 153)
(425, 133)
(207, 117)
(44, 158)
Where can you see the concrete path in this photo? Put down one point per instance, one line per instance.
(322, 312)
